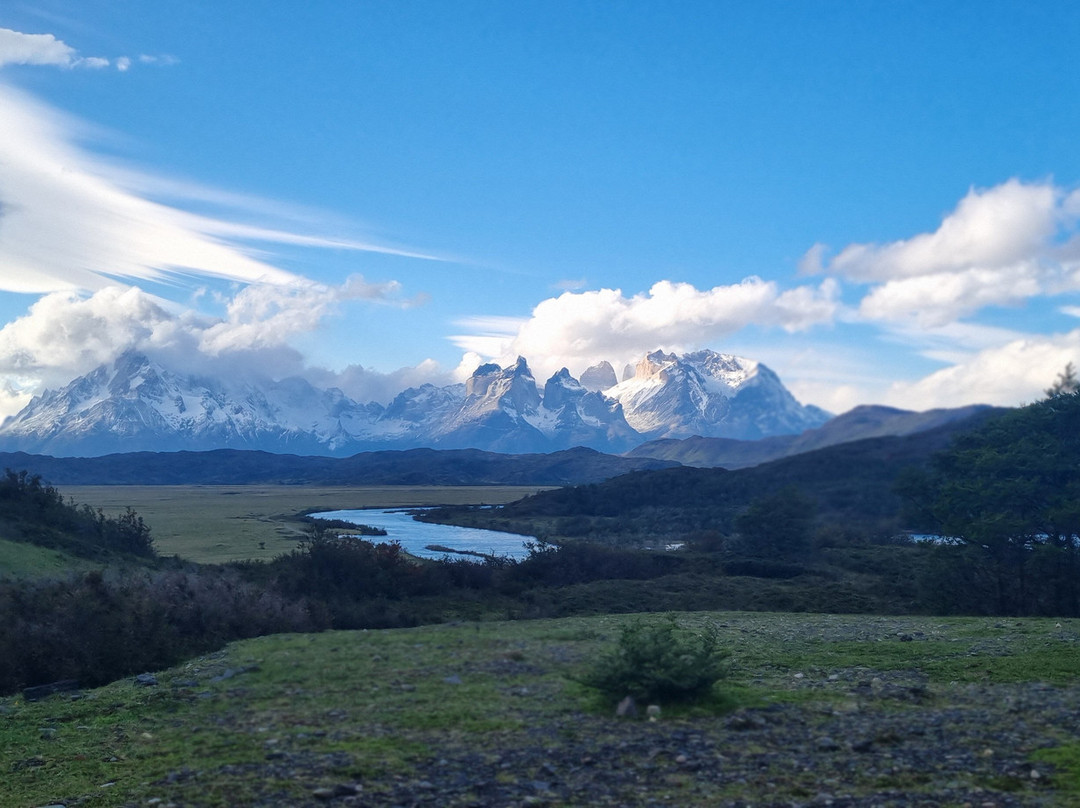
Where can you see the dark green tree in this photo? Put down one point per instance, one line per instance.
(1066, 384)
(1012, 489)
(778, 525)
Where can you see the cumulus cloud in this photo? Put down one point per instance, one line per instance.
(83, 230)
(999, 247)
(1005, 375)
(34, 49)
(938, 299)
(66, 334)
(263, 315)
(576, 330)
(993, 228)
(17, 48)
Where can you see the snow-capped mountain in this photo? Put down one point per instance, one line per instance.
(136, 404)
(711, 395)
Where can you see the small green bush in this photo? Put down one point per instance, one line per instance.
(659, 662)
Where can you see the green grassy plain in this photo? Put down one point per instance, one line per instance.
(270, 720)
(215, 524)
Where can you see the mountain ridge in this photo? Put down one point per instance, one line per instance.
(137, 404)
(862, 422)
(576, 466)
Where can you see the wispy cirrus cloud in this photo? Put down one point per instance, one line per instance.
(73, 221)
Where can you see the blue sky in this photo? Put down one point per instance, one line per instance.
(878, 200)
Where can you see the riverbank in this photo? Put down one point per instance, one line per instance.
(215, 524)
(430, 539)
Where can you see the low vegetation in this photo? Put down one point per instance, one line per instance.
(870, 710)
(33, 512)
(659, 662)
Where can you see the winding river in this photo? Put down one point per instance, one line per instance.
(416, 537)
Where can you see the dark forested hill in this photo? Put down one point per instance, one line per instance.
(851, 486)
(412, 467)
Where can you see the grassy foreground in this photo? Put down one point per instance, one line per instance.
(214, 524)
(487, 710)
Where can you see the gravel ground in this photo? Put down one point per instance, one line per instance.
(882, 740)
(972, 751)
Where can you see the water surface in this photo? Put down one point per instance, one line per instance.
(415, 537)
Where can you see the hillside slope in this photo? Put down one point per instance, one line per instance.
(851, 485)
(857, 424)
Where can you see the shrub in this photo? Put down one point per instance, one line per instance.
(36, 513)
(577, 562)
(99, 626)
(657, 662)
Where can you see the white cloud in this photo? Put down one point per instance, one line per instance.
(364, 385)
(570, 285)
(999, 247)
(65, 334)
(579, 329)
(160, 59)
(813, 261)
(71, 220)
(64, 225)
(942, 298)
(74, 224)
(1006, 375)
(17, 48)
(266, 315)
(34, 49)
(991, 229)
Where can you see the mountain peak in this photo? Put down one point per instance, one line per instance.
(712, 395)
(599, 377)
